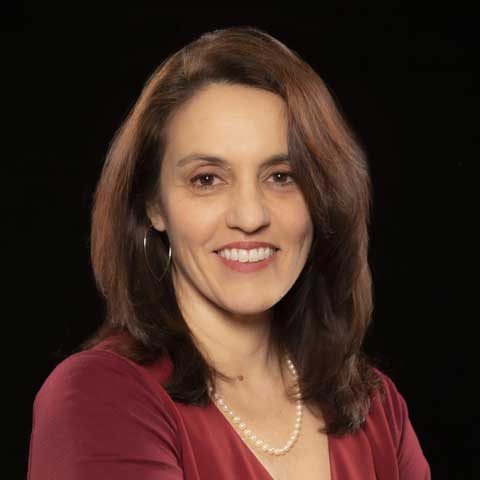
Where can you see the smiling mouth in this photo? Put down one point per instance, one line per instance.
(246, 264)
(274, 249)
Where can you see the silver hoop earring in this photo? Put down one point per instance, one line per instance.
(146, 256)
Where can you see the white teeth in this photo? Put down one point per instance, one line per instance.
(253, 255)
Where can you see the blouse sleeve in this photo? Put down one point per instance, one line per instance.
(412, 463)
(95, 418)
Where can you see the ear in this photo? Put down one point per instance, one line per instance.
(156, 216)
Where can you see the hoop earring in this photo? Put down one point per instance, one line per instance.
(146, 256)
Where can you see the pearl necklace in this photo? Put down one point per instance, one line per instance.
(248, 433)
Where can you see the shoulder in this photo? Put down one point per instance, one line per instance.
(99, 412)
(389, 407)
(389, 428)
(392, 402)
(99, 373)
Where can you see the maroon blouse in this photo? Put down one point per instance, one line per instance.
(101, 416)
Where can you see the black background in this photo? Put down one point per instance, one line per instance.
(406, 83)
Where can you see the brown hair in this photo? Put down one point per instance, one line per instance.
(323, 319)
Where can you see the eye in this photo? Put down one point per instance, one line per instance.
(283, 175)
(208, 178)
(202, 176)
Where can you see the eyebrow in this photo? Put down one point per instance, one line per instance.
(276, 159)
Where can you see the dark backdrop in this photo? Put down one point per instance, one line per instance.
(405, 81)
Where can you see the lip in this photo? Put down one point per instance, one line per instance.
(246, 267)
(247, 245)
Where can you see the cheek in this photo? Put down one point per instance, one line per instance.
(296, 221)
(193, 222)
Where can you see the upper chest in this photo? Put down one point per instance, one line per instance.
(308, 459)
(213, 448)
(272, 419)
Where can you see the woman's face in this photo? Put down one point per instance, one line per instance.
(208, 205)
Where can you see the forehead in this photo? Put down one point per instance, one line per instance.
(228, 121)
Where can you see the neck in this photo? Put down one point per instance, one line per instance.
(245, 352)
(239, 346)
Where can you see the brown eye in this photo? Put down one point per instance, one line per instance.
(283, 175)
(204, 181)
(201, 178)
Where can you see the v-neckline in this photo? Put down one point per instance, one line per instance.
(257, 459)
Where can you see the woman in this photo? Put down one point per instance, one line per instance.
(229, 239)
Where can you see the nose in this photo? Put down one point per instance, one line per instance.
(247, 209)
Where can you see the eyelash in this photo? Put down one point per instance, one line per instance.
(207, 187)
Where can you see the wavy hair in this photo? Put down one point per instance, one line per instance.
(322, 321)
